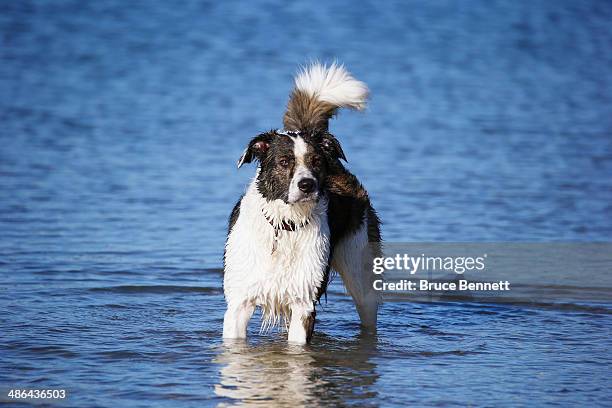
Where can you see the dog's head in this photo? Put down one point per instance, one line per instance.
(293, 165)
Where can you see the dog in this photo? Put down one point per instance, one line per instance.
(302, 216)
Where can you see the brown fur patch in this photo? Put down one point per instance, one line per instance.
(309, 323)
(348, 203)
(307, 113)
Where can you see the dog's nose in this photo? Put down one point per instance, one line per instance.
(307, 185)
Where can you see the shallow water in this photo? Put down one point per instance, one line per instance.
(120, 128)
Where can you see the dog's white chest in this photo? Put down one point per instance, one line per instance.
(275, 268)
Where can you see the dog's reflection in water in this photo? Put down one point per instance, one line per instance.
(280, 374)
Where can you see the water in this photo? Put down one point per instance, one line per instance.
(120, 128)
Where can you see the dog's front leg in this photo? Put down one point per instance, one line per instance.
(302, 323)
(236, 320)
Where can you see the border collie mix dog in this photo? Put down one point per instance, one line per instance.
(303, 215)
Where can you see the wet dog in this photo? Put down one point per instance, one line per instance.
(303, 215)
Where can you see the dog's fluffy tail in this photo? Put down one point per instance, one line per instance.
(319, 92)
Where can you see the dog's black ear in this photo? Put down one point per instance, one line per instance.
(331, 146)
(256, 149)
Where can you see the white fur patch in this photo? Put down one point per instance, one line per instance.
(333, 84)
(295, 194)
(300, 148)
(353, 260)
(278, 281)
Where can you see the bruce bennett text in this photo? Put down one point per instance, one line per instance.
(426, 285)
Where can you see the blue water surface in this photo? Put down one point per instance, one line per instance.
(120, 126)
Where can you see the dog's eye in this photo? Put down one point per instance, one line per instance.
(283, 162)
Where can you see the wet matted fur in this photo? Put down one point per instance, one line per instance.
(302, 215)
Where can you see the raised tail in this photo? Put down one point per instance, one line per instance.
(319, 92)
